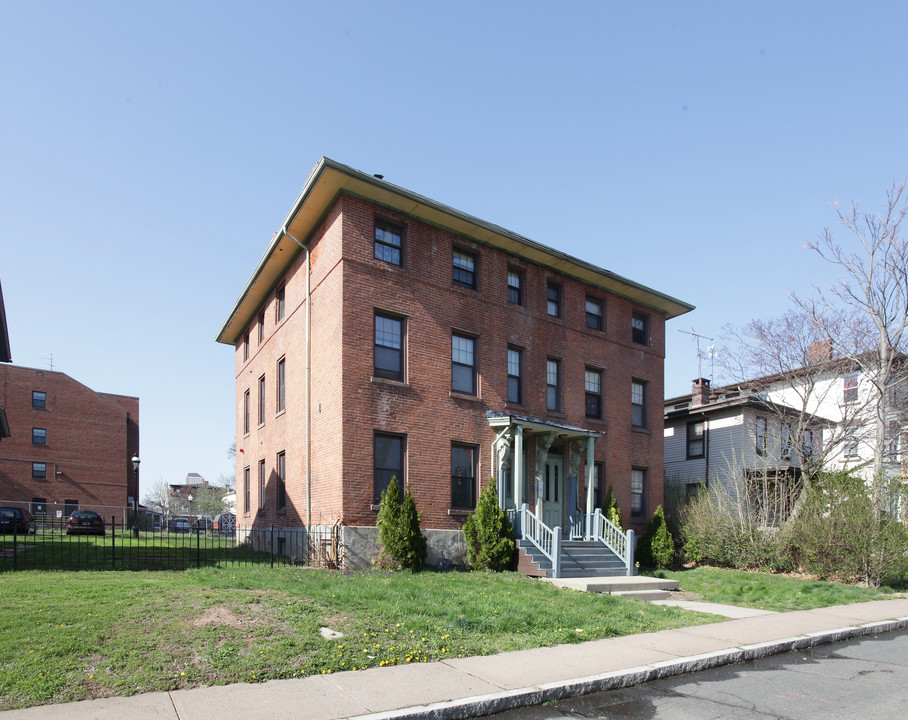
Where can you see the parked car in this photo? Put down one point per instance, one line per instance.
(85, 522)
(16, 520)
(178, 525)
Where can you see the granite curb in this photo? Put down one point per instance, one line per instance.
(492, 703)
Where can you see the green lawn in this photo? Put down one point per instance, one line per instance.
(768, 591)
(78, 635)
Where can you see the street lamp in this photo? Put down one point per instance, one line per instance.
(135, 498)
(190, 510)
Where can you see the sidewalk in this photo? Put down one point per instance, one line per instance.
(468, 687)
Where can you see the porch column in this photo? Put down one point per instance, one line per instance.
(501, 452)
(590, 479)
(517, 468)
(543, 443)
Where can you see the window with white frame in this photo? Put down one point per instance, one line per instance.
(463, 364)
(592, 385)
(638, 488)
(638, 403)
(515, 384)
(553, 384)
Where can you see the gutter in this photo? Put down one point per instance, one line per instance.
(283, 231)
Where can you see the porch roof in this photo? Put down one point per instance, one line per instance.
(499, 419)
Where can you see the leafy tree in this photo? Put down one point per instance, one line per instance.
(402, 543)
(656, 547)
(488, 534)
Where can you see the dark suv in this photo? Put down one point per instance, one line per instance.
(16, 520)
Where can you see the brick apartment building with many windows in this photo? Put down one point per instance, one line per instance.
(69, 446)
(385, 335)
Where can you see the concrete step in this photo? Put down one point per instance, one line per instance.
(648, 595)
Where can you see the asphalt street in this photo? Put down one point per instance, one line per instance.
(865, 678)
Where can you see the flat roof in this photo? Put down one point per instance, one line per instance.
(330, 179)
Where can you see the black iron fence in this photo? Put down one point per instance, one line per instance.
(51, 545)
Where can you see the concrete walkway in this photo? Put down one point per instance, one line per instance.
(468, 687)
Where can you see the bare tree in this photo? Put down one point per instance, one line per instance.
(158, 497)
(871, 300)
(788, 361)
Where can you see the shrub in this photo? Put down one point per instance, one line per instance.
(718, 530)
(836, 535)
(402, 543)
(488, 534)
(610, 509)
(656, 547)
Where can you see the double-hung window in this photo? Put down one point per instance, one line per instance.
(39, 399)
(262, 484)
(262, 400)
(39, 436)
(464, 268)
(851, 388)
(246, 491)
(388, 242)
(638, 403)
(553, 384)
(553, 299)
(389, 347)
(387, 462)
(785, 443)
(638, 487)
(246, 410)
(281, 385)
(246, 346)
(515, 287)
(696, 445)
(261, 327)
(279, 303)
(39, 471)
(592, 382)
(760, 436)
(515, 389)
(280, 471)
(594, 319)
(463, 476)
(640, 329)
(463, 364)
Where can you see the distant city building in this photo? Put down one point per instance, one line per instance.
(70, 447)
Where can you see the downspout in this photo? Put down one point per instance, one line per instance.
(308, 383)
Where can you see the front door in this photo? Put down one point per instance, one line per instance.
(553, 492)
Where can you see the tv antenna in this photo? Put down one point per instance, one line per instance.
(50, 358)
(711, 351)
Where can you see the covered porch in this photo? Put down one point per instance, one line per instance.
(537, 471)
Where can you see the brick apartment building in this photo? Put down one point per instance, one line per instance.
(385, 334)
(69, 446)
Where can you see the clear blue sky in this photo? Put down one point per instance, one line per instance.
(149, 151)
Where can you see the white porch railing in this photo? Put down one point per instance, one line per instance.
(619, 542)
(594, 527)
(546, 539)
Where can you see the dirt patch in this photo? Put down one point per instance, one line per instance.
(219, 615)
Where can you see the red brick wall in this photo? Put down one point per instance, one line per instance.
(89, 442)
(349, 285)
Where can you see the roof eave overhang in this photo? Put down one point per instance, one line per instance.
(540, 425)
(330, 179)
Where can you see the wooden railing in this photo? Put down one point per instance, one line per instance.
(614, 538)
(546, 539)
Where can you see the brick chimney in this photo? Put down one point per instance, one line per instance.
(699, 392)
(819, 352)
